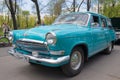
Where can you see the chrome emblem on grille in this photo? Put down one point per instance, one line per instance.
(25, 34)
(34, 53)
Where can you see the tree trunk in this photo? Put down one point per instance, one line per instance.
(38, 11)
(98, 7)
(14, 21)
(13, 14)
(12, 11)
(88, 5)
(74, 6)
(8, 18)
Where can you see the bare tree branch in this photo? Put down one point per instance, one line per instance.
(45, 5)
(15, 6)
(7, 5)
(68, 7)
(80, 6)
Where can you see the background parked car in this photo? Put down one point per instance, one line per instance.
(116, 25)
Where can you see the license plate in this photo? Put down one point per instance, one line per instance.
(26, 58)
(34, 53)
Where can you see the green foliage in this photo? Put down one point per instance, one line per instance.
(58, 7)
(55, 7)
(1, 32)
(1, 20)
(49, 19)
(25, 13)
(30, 21)
(21, 21)
(111, 11)
(110, 8)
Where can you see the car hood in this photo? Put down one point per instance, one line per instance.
(39, 32)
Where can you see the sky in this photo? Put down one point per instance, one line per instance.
(28, 4)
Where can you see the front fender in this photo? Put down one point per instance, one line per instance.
(67, 44)
(17, 34)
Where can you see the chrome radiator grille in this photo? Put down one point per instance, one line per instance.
(31, 46)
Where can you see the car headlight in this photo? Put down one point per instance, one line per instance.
(51, 38)
(10, 36)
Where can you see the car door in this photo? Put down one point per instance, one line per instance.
(111, 31)
(106, 32)
(97, 34)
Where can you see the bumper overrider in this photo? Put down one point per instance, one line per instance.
(28, 58)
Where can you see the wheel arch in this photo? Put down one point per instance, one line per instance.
(85, 49)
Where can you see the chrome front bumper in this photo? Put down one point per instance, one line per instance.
(45, 60)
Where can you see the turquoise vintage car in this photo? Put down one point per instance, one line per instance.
(67, 43)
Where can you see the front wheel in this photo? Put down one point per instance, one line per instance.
(76, 62)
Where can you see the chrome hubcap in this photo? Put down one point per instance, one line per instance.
(76, 59)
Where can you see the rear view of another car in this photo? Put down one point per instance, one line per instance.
(116, 26)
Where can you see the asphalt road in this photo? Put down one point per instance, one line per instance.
(99, 67)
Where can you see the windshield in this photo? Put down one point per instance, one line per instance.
(79, 19)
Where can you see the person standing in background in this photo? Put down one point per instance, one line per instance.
(5, 28)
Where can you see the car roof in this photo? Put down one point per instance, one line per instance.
(95, 14)
(88, 12)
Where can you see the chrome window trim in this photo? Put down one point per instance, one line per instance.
(89, 15)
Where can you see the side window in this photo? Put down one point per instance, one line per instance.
(103, 22)
(109, 23)
(95, 21)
